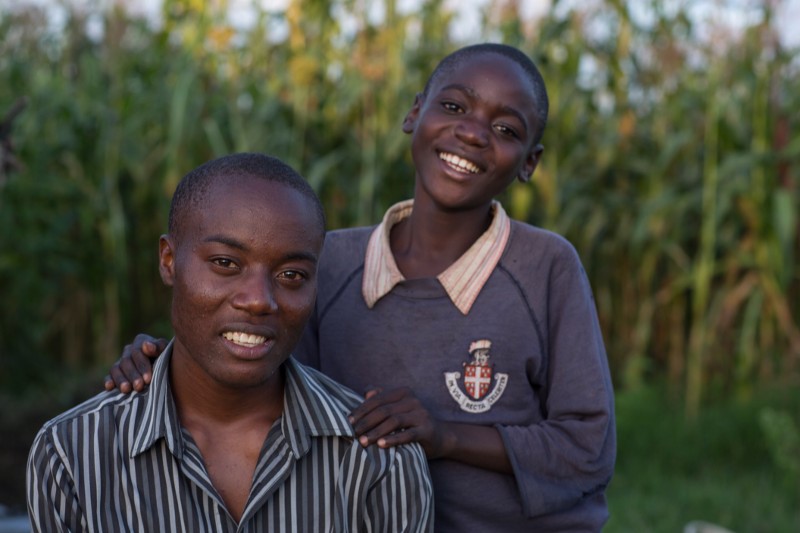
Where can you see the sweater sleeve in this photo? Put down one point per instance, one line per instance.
(52, 502)
(570, 454)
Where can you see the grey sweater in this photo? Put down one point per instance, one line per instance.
(546, 385)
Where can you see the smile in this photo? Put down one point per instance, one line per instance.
(458, 163)
(244, 339)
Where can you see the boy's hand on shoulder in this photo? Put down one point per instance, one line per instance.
(134, 366)
(394, 417)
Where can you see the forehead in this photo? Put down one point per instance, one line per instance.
(490, 75)
(250, 206)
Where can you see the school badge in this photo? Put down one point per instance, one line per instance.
(479, 396)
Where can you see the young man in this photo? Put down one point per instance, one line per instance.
(480, 333)
(232, 434)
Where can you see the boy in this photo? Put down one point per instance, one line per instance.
(232, 434)
(474, 335)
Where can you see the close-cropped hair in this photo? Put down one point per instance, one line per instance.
(193, 188)
(539, 94)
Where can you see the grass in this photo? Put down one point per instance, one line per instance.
(718, 469)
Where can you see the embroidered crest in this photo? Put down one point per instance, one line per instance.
(477, 380)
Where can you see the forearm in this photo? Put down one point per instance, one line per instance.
(474, 445)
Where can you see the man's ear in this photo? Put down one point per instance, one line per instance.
(413, 114)
(166, 260)
(531, 161)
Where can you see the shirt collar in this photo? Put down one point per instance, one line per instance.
(160, 419)
(309, 410)
(312, 409)
(463, 280)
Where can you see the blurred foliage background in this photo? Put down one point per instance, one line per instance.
(671, 163)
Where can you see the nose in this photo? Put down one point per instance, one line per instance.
(472, 131)
(255, 294)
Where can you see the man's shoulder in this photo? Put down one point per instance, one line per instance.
(90, 415)
(341, 398)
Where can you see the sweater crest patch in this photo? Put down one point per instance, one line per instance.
(478, 395)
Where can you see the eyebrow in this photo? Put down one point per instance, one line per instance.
(473, 94)
(222, 239)
(233, 243)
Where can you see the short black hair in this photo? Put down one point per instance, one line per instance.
(457, 58)
(192, 189)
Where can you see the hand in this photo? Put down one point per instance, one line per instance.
(135, 366)
(397, 417)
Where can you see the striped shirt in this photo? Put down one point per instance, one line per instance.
(463, 280)
(122, 462)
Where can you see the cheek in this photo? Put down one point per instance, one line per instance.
(194, 299)
(296, 306)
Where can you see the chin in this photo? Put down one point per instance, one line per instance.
(245, 377)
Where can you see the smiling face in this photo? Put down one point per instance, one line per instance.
(243, 278)
(473, 132)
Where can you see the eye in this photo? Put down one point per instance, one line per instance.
(293, 276)
(452, 107)
(506, 130)
(224, 264)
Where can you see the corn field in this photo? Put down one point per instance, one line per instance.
(671, 162)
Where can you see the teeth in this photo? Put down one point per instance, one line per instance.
(459, 164)
(244, 339)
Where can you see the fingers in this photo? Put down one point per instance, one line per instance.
(149, 346)
(141, 364)
(398, 438)
(131, 369)
(373, 391)
(134, 370)
(376, 397)
(145, 349)
(117, 379)
(395, 430)
(389, 418)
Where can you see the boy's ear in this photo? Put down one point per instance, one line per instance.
(530, 164)
(412, 115)
(166, 260)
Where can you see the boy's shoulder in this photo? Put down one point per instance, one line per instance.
(342, 241)
(536, 252)
(342, 254)
(546, 241)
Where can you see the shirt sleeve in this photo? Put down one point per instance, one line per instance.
(571, 453)
(52, 502)
(402, 501)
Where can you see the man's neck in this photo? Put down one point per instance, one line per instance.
(199, 397)
(228, 425)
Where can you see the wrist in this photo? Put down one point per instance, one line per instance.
(448, 441)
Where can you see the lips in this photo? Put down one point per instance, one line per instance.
(459, 164)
